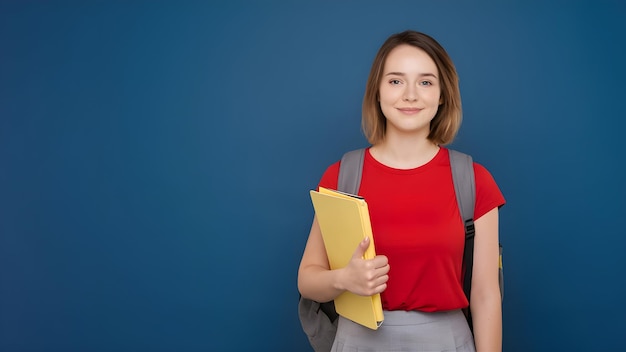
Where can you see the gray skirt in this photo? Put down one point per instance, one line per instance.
(407, 331)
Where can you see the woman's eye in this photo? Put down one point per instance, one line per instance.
(395, 81)
(425, 83)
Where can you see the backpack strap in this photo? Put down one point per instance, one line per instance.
(463, 178)
(350, 171)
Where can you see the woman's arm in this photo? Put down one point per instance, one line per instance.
(317, 282)
(486, 303)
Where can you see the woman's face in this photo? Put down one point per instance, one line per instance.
(409, 91)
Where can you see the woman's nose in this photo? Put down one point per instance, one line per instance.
(410, 94)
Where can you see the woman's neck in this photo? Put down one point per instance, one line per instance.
(404, 153)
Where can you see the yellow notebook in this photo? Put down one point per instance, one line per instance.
(344, 221)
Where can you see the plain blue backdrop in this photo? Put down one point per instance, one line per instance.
(156, 157)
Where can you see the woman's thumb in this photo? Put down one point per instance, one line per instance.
(361, 248)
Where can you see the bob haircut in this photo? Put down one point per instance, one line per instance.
(445, 125)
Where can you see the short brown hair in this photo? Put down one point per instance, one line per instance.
(446, 123)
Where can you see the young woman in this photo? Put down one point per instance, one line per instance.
(411, 109)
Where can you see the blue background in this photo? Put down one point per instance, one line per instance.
(156, 157)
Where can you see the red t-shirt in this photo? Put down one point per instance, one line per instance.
(417, 225)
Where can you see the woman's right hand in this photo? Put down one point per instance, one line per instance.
(365, 277)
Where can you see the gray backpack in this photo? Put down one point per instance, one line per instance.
(319, 320)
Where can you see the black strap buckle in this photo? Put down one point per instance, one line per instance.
(469, 229)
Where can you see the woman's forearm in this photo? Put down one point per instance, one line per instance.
(487, 322)
(319, 284)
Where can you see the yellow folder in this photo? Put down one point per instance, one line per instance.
(344, 221)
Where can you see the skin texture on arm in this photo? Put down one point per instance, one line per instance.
(486, 305)
(317, 282)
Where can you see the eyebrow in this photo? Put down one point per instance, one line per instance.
(404, 74)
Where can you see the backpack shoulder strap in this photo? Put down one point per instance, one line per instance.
(462, 167)
(463, 177)
(350, 171)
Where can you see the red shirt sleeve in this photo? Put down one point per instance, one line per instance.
(330, 176)
(488, 194)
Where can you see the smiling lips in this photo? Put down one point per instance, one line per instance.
(409, 111)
